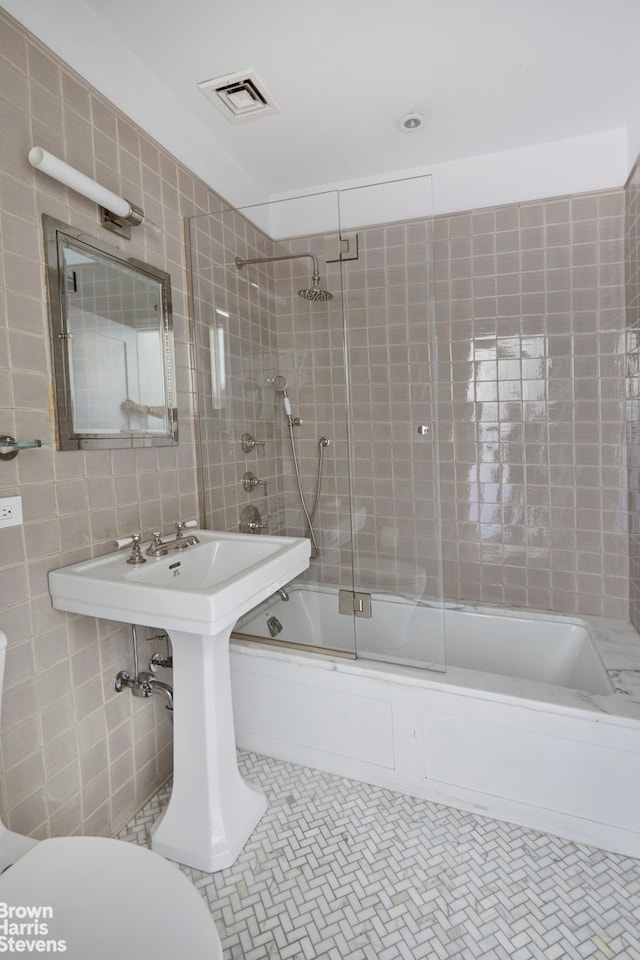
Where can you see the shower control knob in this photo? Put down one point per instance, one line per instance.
(249, 443)
(424, 430)
(250, 482)
(251, 520)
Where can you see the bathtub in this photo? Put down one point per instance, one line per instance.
(554, 651)
(535, 719)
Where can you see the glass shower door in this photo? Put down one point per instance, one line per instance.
(272, 400)
(335, 397)
(392, 422)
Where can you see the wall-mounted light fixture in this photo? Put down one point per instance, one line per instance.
(118, 214)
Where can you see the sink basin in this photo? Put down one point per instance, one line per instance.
(196, 594)
(200, 589)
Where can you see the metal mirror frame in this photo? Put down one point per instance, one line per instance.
(55, 234)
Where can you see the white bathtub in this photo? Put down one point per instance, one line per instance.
(551, 651)
(525, 724)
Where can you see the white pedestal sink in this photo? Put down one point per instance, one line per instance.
(196, 594)
(212, 809)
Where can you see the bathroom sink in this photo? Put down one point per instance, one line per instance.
(200, 589)
(196, 594)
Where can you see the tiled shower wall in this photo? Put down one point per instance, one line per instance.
(530, 418)
(632, 257)
(394, 542)
(254, 313)
(234, 316)
(76, 757)
(530, 316)
(268, 330)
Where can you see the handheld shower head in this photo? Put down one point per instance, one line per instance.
(280, 384)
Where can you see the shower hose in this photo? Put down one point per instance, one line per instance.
(309, 515)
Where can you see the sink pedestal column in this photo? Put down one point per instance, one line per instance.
(212, 810)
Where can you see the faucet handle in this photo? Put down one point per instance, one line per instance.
(255, 526)
(249, 443)
(182, 525)
(134, 541)
(136, 552)
(251, 520)
(250, 482)
(126, 541)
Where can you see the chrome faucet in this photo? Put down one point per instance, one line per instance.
(160, 548)
(144, 685)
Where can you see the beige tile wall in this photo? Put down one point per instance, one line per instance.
(527, 485)
(530, 307)
(525, 479)
(269, 330)
(393, 544)
(310, 354)
(239, 308)
(76, 757)
(632, 258)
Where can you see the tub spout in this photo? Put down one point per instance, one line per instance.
(282, 593)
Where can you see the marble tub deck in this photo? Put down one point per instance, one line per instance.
(619, 646)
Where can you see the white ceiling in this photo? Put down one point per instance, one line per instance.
(488, 75)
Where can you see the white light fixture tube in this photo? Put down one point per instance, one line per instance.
(118, 214)
(71, 177)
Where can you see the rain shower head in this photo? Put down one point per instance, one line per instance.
(314, 292)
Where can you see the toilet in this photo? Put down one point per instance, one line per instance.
(99, 898)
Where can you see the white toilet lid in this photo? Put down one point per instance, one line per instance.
(108, 899)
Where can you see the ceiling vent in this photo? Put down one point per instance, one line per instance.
(240, 96)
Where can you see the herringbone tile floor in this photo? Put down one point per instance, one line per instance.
(339, 870)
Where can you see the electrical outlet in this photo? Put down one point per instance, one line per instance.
(10, 511)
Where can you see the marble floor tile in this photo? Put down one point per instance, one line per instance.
(340, 870)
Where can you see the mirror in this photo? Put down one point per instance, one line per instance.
(112, 344)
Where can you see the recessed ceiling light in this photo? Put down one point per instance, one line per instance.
(410, 121)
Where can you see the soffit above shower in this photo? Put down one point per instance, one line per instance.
(240, 96)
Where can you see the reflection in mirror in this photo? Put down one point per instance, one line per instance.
(112, 339)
